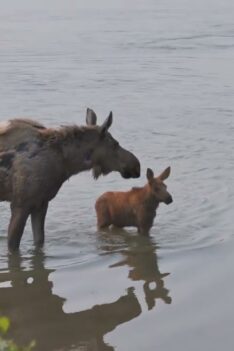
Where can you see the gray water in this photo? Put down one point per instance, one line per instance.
(165, 69)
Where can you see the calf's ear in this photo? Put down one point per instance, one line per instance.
(91, 117)
(165, 174)
(149, 174)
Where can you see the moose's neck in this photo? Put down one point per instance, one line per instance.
(150, 199)
(76, 146)
(76, 162)
(78, 153)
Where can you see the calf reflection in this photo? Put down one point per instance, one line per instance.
(37, 314)
(141, 257)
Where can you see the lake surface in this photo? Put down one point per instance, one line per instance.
(165, 69)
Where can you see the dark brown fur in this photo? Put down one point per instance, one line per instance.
(35, 161)
(135, 208)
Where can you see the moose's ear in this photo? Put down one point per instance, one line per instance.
(165, 174)
(91, 118)
(106, 125)
(149, 174)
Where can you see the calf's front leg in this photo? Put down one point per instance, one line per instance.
(145, 221)
(143, 226)
(143, 230)
(16, 226)
(38, 224)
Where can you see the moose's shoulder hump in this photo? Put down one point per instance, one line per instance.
(4, 126)
(16, 132)
(18, 122)
(7, 126)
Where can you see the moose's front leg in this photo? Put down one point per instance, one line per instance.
(145, 220)
(144, 224)
(143, 230)
(38, 224)
(16, 226)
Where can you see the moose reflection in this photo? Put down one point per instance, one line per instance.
(36, 313)
(140, 256)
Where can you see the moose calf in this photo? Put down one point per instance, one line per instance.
(134, 208)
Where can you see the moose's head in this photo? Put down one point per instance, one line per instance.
(157, 186)
(108, 155)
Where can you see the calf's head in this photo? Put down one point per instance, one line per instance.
(157, 186)
(108, 155)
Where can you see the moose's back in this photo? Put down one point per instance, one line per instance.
(14, 134)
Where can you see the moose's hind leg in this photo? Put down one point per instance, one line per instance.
(103, 216)
(16, 226)
(103, 222)
(38, 224)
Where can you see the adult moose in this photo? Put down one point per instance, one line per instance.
(35, 161)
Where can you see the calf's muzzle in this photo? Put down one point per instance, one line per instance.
(169, 200)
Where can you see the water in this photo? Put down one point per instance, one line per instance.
(165, 69)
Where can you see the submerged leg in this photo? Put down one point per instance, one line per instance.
(16, 226)
(143, 231)
(144, 223)
(103, 220)
(103, 225)
(143, 227)
(103, 215)
(38, 224)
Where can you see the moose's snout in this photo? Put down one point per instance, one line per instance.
(136, 172)
(132, 169)
(169, 200)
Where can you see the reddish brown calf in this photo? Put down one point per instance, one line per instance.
(134, 208)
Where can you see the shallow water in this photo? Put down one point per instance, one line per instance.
(165, 68)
